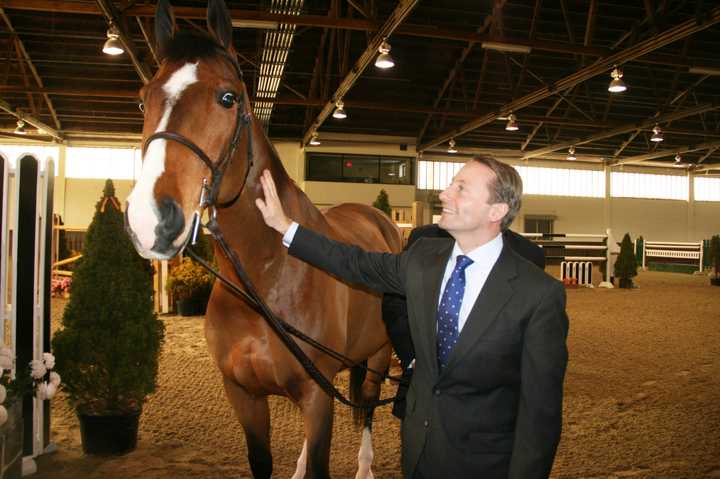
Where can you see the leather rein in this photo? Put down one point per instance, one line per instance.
(208, 200)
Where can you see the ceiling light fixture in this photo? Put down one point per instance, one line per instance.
(451, 146)
(512, 123)
(339, 112)
(20, 129)
(314, 140)
(384, 60)
(617, 85)
(113, 45)
(506, 47)
(678, 158)
(657, 136)
(571, 154)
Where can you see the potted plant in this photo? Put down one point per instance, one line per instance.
(626, 265)
(37, 379)
(714, 254)
(189, 283)
(109, 343)
(382, 202)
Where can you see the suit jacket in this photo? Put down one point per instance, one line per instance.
(495, 411)
(395, 313)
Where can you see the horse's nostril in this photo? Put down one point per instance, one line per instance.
(171, 224)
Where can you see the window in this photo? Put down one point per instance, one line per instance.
(102, 163)
(642, 185)
(13, 152)
(358, 168)
(707, 189)
(562, 181)
(538, 224)
(436, 175)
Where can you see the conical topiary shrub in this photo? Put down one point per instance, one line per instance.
(107, 350)
(714, 254)
(382, 203)
(626, 265)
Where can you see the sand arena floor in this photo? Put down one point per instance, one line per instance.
(642, 400)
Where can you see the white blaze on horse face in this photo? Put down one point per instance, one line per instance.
(142, 209)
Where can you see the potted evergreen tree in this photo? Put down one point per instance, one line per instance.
(108, 347)
(714, 254)
(383, 203)
(626, 265)
(190, 284)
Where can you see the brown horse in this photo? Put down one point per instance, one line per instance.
(197, 104)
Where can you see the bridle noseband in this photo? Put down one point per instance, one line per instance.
(209, 193)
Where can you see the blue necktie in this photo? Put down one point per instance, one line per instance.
(449, 310)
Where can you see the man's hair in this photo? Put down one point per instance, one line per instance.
(505, 188)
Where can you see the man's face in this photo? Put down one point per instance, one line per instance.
(466, 202)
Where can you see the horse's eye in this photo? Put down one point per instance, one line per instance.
(141, 106)
(228, 99)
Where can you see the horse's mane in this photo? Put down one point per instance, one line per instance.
(190, 45)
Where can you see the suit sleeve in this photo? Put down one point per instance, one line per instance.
(382, 272)
(544, 360)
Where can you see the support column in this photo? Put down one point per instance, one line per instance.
(690, 234)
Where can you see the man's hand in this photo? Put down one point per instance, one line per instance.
(271, 208)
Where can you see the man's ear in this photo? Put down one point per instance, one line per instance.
(219, 22)
(498, 212)
(164, 26)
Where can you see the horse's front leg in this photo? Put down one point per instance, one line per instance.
(317, 411)
(254, 416)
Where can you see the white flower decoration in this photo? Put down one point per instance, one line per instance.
(3, 393)
(3, 415)
(42, 391)
(49, 360)
(50, 390)
(38, 369)
(54, 379)
(6, 362)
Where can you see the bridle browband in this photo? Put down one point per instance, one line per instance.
(209, 193)
(208, 197)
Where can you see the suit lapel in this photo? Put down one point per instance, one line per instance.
(493, 297)
(433, 271)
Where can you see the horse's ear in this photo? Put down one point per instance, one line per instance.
(164, 25)
(219, 22)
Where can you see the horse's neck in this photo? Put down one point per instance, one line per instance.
(242, 224)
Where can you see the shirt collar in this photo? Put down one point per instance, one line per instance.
(485, 254)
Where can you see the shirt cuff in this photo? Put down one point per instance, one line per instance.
(290, 234)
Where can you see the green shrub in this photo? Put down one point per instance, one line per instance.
(189, 281)
(382, 203)
(107, 350)
(714, 254)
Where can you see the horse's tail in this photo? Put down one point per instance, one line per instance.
(357, 378)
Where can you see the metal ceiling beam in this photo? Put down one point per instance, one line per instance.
(457, 34)
(402, 10)
(113, 18)
(623, 129)
(30, 64)
(602, 65)
(665, 153)
(31, 120)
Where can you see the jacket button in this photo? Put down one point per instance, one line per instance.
(436, 391)
(426, 423)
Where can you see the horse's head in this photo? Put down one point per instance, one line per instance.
(195, 108)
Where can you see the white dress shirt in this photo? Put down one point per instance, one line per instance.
(484, 258)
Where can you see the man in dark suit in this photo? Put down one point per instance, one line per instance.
(489, 330)
(395, 312)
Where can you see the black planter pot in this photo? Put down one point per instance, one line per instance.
(191, 307)
(715, 281)
(109, 435)
(626, 283)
